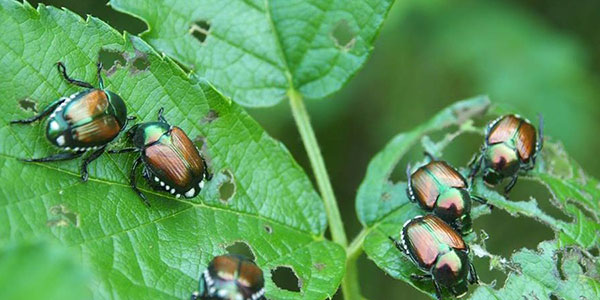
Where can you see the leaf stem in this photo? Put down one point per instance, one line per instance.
(350, 283)
(355, 248)
(316, 161)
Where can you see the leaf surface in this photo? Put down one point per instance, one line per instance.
(50, 268)
(257, 50)
(259, 195)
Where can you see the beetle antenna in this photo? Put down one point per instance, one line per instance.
(99, 72)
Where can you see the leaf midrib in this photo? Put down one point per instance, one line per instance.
(181, 200)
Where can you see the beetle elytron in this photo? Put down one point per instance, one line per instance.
(439, 188)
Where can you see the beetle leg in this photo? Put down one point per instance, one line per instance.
(208, 176)
(473, 278)
(129, 118)
(479, 199)
(438, 290)
(421, 277)
(88, 160)
(161, 118)
(510, 185)
(398, 245)
(50, 108)
(430, 156)
(63, 71)
(124, 150)
(99, 73)
(55, 157)
(133, 181)
(475, 169)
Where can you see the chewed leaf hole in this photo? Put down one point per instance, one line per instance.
(285, 278)
(554, 297)
(62, 217)
(28, 104)
(343, 36)
(242, 249)
(268, 229)
(111, 60)
(526, 188)
(227, 187)
(534, 232)
(200, 30)
(559, 267)
(140, 64)
(210, 116)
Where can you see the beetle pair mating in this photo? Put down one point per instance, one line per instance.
(90, 120)
(231, 277)
(434, 242)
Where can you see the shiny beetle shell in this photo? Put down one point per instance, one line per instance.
(87, 119)
(172, 161)
(511, 145)
(440, 252)
(426, 237)
(439, 188)
(514, 129)
(231, 277)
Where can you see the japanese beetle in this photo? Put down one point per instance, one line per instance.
(87, 120)
(171, 160)
(511, 144)
(231, 277)
(440, 252)
(439, 188)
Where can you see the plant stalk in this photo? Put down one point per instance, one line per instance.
(350, 283)
(316, 161)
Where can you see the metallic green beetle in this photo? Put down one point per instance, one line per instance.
(172, 163)
(231, 277)
(440, 252)
(82, 122)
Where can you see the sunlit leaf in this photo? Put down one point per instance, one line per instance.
(255, 51)
(135, 251)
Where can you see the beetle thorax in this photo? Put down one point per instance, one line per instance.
(451, 270)
(453, 203)
(503, 159)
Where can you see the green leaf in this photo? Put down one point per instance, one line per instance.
(259, 194)
(383, 207)
(50, 268)
(538, 276)
(255, 51)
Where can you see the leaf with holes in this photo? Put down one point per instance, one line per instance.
(256, 51)
(259, 195)
(548, 273)
(383, 207)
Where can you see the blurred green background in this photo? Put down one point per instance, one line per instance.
(533, 56)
